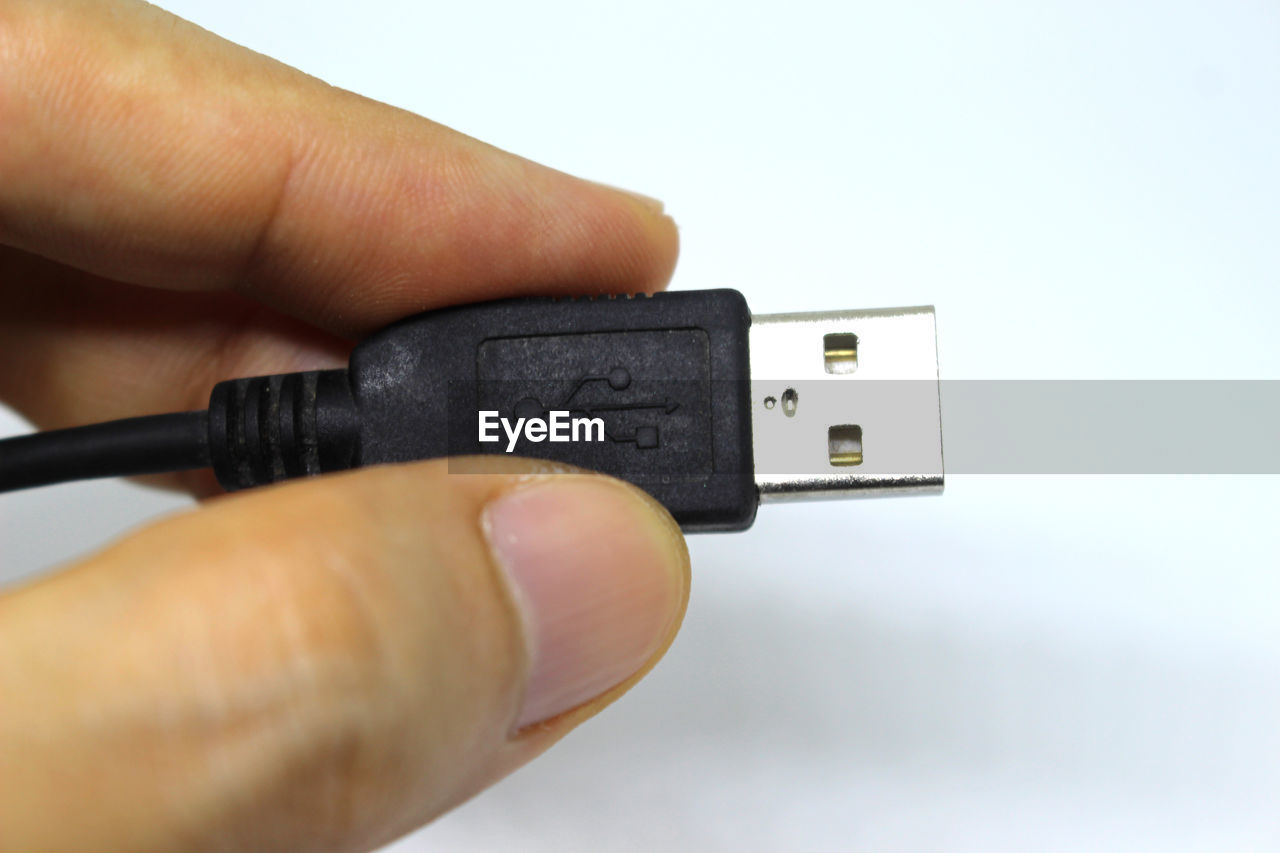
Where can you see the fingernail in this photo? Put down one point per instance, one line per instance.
(597, 574)
(655, 205)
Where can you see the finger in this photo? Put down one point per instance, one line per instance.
(141, 148)
(78, 349)
(326, 665)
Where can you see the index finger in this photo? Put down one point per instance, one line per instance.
(141, 148)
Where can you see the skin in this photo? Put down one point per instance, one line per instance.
(321, 665)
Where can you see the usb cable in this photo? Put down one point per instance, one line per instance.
(685, 394)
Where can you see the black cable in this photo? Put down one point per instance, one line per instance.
(125, 448)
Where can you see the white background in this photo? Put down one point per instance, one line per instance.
(1084, 190)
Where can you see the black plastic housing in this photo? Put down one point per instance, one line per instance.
(668, 375)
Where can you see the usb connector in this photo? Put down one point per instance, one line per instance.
(845, 404)
(684, 394)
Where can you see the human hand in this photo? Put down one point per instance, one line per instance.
(325, 664)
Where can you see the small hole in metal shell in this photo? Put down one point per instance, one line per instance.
(790, 399)
(770, 402)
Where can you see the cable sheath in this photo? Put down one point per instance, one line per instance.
(124, 448)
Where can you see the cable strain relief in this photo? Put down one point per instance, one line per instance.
(271, 428)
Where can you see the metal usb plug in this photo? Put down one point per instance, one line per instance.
(846, 404)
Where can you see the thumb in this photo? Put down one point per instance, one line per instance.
(326, 664)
